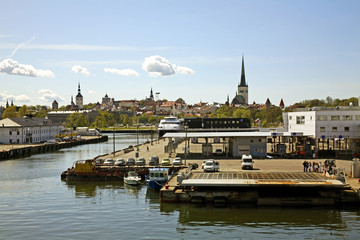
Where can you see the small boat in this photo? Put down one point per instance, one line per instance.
(132, 178)
(157, 177)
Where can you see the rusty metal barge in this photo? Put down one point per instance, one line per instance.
(89, 170)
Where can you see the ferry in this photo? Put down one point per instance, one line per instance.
(170, 124)
(157, 178)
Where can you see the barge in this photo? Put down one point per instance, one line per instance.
(85, 170)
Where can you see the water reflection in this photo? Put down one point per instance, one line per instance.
(90, 189)
(190, 214)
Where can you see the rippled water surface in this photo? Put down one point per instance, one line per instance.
(36, 204)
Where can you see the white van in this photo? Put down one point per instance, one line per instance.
(247, 162)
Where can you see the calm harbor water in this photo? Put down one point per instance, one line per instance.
(36, 204)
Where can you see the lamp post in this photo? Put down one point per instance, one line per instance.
(151, 134)
(137, 137)
(186, 127)
(114, 141)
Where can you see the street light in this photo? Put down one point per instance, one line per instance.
(186, 127)
(137, 137)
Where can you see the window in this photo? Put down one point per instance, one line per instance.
(10, 132)
(10, 140)
(300, 120)
(259, 139)
(347, 117)
(346, 129)
(334, 129)
(322, 129)
(335, 118)
(322, 118)
(357, 117)
(290, 118)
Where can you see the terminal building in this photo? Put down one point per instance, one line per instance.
(314, 132)
(28, 130)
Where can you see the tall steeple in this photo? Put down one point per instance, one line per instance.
(242, 95)
(79, 98)
(151, 94)
(242, 80)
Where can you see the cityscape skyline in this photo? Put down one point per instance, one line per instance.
(189, 49)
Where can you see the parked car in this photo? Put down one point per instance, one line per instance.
(99, 162)
(218, 152)
(177, 161)
(154, 160)
(120, 162)
(140, 162)
(247, 162)
(203, 164)
(130, 162)
(165, 162)
(109, 162)
(211, 166)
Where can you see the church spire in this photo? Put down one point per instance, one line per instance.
(242, 82)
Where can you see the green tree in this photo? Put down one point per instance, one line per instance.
(242, 113)
(10, 112)
(104, 119)
(23, 111)
(77, 119)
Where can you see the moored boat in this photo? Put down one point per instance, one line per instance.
(132, 179)
(157, 178)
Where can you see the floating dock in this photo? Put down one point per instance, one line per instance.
(260, 189)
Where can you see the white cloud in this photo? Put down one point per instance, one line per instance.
(12, 67)
(80, 69)
(184, 70)
(123, 72)
(91, 92)
(49, 96)
(158, 66)
(17, 99)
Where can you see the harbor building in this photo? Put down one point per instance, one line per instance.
(28, 130)
(336, 131)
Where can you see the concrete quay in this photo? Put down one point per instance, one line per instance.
(8, 151)
(273, 182)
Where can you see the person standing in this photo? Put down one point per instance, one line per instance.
(305, 165)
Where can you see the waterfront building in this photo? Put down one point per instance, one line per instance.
(28, 130)
(336, 129)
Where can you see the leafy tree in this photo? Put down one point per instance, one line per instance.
(104, 119)
(23, 111)
(77, 119)
(10, 112)
(243, 113)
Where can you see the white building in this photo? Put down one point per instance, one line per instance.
(28, 130)
(340, 122)
(331, 125)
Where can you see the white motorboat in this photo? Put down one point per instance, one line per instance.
(132, 178)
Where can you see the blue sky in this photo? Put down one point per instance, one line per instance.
(294, 50)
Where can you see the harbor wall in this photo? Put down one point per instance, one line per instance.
(36, 149)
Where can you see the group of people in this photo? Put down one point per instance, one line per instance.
(312, 167)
